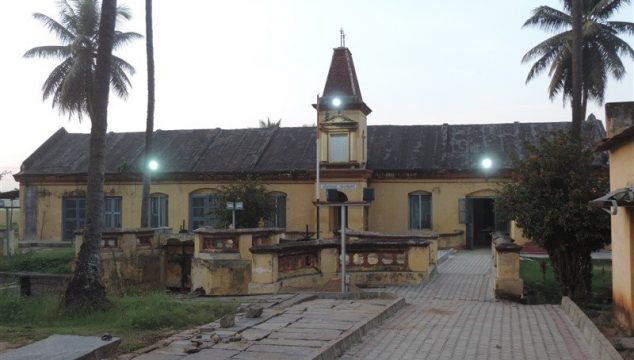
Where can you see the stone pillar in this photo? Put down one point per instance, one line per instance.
(418, 258)
(508, 283)
(329, 263)
(264, 274)
(245, 241)
(433, 251)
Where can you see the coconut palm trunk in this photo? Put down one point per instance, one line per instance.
(577, 67)
(149, 127)
(85, 290)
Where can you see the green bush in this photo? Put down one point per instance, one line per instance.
(55, 261)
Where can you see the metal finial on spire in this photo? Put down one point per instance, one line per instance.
(343, 38)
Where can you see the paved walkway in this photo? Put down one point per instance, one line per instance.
(455, 317)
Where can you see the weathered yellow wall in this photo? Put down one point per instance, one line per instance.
(389, 212)
(622, 175)
(300, 210)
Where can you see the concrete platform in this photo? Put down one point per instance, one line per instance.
(65, 347)
(318, 328)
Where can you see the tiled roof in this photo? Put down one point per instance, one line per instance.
(415, 148)
(342, 82)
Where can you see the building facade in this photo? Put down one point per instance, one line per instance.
(425, 177)
(620, 203)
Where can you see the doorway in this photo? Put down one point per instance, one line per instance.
(335, 214)
(482, 221)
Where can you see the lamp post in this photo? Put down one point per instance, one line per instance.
(152, 165)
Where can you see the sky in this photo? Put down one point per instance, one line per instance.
(229, 64)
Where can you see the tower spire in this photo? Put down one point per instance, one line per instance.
(343, 37)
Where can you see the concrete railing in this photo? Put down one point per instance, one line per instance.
(310, 264)
(221, 263)
(130, 257)
(451, 239)
(507, 283)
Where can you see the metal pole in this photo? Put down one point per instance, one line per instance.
(149, 199)
(317, 168)
(233, 216)
(343, 249)
(8, 227)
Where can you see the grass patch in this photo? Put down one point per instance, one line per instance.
(55, 261)
(541, 287)
(138, 319)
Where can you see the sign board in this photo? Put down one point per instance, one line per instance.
(338, 186)
(238, 205)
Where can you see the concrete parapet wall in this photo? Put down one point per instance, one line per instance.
(309, 264)
(221, 276)
(507, 283)
(599, 344)
(131, 258)
(36, 284)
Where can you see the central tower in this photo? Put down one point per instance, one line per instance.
(343, 148)
(342, 116)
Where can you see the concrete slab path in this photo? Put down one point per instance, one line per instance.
(454, 316)
(308, 329)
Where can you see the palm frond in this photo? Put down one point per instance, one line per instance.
(68, 15)
(559, 74)
(88, 18)
(123, 13)
(62, 34)
(556, 41)
(123, 38)
(124, 65)
(603, 9)
(622, 27)
(542, 63)
(120, 82)
(55, 78)
(52, 51)
(549, 19)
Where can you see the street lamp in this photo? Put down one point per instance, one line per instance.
(153, 166)
(486, 164)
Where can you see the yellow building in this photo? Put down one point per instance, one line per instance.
(425, 177)
(620, 202)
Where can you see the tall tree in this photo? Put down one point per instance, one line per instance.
(85, 290)
(80, 85)
(601, 50)
(577, 67)
(149, 126)
(71, 83)
(548, 199)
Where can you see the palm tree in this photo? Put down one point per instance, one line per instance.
(576, 52)
(601, 49)
(85, 290)
(270, 124)
(71, 83)
(149, 126)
